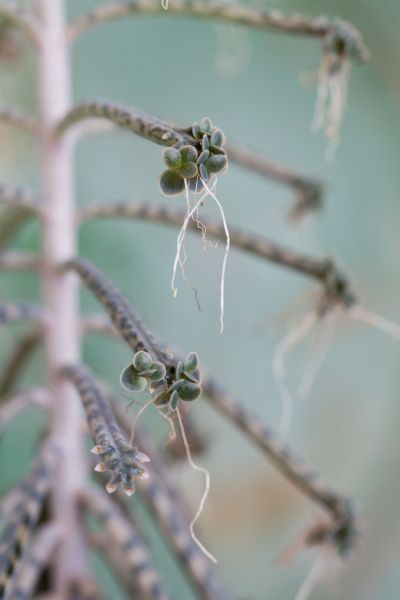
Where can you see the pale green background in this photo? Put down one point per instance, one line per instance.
(348, 427)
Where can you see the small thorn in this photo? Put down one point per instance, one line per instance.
(129, 490)
(141, 457)
(96, 450)
(111, 487)
(143, 475)
(100, 467)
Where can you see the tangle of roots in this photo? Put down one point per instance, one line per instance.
(374, 320)
(206, 489)
(180, 256)
(333, 78)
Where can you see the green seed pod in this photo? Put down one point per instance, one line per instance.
(142, 361)
(203, 157)
(189, 391)
(188, 153)
(171, 183)
(188, 170)
(217, 138)
(196, 130)
(206, 125)
(203, 173)
(159, 372)
(131, 381)
(205, 142)
(191, 362)
(216, 163)
(172, 158)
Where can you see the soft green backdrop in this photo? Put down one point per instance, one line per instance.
(348, 427)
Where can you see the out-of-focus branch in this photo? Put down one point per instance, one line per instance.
(260, 18)
(16, 118)
(133, 551)
(21, 18)
(19, 261)
(20, 311)
(17, 404)
(19, 197)
(17, 359)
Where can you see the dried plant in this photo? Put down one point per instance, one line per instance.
(43, 518)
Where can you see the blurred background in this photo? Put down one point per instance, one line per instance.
(251, 84)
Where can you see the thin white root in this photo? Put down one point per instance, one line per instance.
(181, 240)
(205, 493)
(136, 417)
(374, 320)
(171, 424)
(323, 345)
(283, 349)
(227, 246)
(317, 572)
(164, 4)
(333, 78)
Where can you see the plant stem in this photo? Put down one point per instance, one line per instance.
(59, 290)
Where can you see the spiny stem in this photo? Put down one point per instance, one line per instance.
(261, 18)
(247, 241)
(168, 508)
(14, 537)
(116, 452)
(122, 314)
(132, 119)
(289, 462)
(122, 532)
(40, 553)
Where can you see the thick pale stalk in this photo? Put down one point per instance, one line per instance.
(59, 288)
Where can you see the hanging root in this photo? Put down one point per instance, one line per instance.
(374, 320)
(227, 246)
(136, 418)
(318, 571)
(172, 431)
(282, 351)
(206, 489)
(323, 345)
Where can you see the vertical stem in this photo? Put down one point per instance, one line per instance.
(59, 289)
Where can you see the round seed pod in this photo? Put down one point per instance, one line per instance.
(142, 361)
(196, 131)
(188, 153)
(131, 381)
(216, 163)
(203, 173)
(205, 125)
(172, 158)
(171, 183)
(189, 391)
(217, 138)
(191, 362)
(203, 157)
(159, 371)
(188, 170)
(205, 142)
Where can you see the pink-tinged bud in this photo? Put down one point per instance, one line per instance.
(111, 487)
(96, 450)
(100, 467)
(129, 490)
(141, 457)
(143, 475)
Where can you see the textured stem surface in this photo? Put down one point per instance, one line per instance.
(59, 288)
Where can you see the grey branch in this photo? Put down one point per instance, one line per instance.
(19, 261)
(16, 404)
(19, 356)
(16, 118)
(123, 534)
(21, 18)
(322, 270)
(20, 311)
(240, 14)
(129, 118)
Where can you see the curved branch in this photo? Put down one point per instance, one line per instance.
(260, 18)
(309, 192)
(18, 17)
(12, 219)
(122, 532)
(15, 536)
(17, 404)
(19, 261)
(136, 121)
(20, 311)
(116, 453)
(322, 270)
(16, 118)
(16, 361)
(19, 197)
